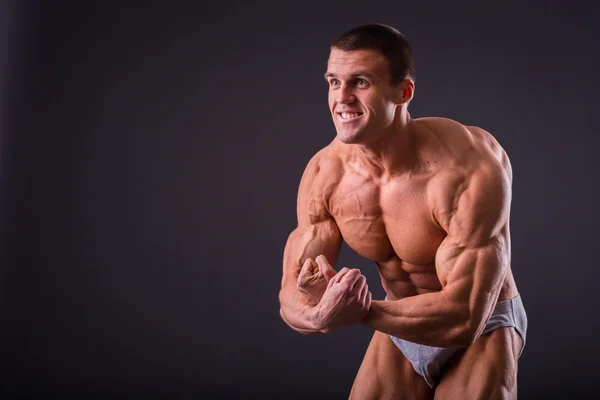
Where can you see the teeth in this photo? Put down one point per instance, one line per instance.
(349, 115)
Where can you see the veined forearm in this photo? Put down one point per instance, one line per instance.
(299, 313)
(430, 319)
(297, 326)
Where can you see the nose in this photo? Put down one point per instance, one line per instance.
(345, 96)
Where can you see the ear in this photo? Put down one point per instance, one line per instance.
(406, 91)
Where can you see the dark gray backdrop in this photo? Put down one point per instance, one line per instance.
(150, 160)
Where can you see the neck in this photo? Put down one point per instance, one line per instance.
(393, 152)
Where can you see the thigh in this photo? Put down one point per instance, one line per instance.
(386, 374)
(486, 370)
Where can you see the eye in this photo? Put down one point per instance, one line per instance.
(361, 82)
(334, 82)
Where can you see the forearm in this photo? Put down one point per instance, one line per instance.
(304, 331)
(431, 319)
(299, 312)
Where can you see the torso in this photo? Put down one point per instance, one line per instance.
(390, 220)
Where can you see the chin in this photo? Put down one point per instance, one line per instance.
(354, 137)
(345, 138)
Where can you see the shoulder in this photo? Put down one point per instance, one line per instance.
(324, 168)
(473, 185)
(463, 146)
(323, 173)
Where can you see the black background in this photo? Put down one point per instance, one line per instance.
(151, 154)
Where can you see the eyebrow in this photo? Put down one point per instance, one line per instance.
(356, 74)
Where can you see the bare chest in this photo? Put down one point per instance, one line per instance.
(385, 221)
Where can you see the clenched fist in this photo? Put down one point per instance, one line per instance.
(345, 302)
(315, 276)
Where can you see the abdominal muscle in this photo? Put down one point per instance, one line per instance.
(402, 279)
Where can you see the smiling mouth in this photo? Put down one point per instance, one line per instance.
(349, 116)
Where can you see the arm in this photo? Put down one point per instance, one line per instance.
(316, 234)
(471, 262)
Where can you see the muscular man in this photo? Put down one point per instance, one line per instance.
(428, 200)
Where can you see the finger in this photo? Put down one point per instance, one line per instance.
(363, 294)
(336, 279)
(351, 277)
(321, 259)
(366, 302)
(324, 267)
(314, 268)
(305, 268)
(359, 284)
(306, 273)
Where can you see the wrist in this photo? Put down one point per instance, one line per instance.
(368, 316)
(318, 320)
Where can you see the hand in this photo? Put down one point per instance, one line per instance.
(314, 277)
(346, 300)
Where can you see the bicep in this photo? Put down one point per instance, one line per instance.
(316, 233)
(310, 241)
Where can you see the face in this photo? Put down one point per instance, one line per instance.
(361, 100)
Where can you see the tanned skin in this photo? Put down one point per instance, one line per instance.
(428, 200)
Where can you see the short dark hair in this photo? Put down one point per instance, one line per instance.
(385, 39)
